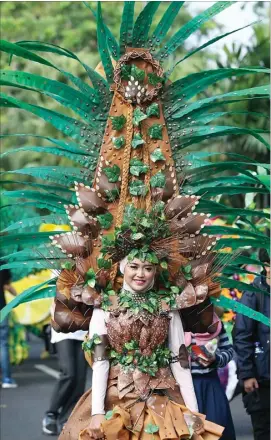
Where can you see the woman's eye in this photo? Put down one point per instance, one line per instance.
(148, 269)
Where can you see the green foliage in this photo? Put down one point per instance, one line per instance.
(153, 110)
(89, 345)
(138, 116)
(105, 220)
(131, 358)
(137, 73)
(157, 155)
(240, 308)
(154, 79)
(118, 122)
(138, 188)
(31, 294)
(137, 167)
(112, 173)
(155, 131)
(158, 180)
(118, 142)
(90, 278)
(137, 141)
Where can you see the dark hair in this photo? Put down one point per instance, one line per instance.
(264, 256)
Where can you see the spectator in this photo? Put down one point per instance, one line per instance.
(5, 280)
(71, 384)
(208, 353)
(252, 345)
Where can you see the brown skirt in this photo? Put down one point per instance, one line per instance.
(131, 417)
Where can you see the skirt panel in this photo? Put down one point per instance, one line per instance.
(131, 418)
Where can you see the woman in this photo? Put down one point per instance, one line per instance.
(142, 386)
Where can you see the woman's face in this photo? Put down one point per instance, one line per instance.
(138, 275)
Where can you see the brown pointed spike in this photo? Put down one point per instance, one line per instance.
(197, 246)
(181, 206)
(90, 201)
(84, 224)
(191, 225)
(74, 244)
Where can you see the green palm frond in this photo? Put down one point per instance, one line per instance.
(189, 28)
(126, 26)
(143, 23)
(31, 294)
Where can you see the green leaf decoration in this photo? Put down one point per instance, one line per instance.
(137, 141)
(90, 278)
(109, 415)
(158, 180)
(153, 110)
(137, 236)
(187, 272)
(164, 264)
(112, 194)
(137, 167)
(126, 27)
(138, 74)
(126, 71)
(151, 428)
(112, 173)
(156, 131)
(138, 116)
(31, 294)
(238, 307)
(118, 142)
(157, 155)
(104, 264)
(68, 265)
(118, 122)
(105, 220)
(154, 79)
(137, 188)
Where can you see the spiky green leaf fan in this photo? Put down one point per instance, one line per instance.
(188, 120)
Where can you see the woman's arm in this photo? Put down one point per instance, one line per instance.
(182, 375)
(100, 367)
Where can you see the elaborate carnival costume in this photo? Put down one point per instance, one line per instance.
(133, 210)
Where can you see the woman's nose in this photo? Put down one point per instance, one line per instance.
(140, 272)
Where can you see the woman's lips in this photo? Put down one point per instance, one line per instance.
(140, 282)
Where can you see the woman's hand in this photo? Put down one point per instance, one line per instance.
(94, 428)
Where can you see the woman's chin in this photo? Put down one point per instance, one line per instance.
(139, 288)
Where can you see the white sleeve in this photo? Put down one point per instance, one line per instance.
(182, 375)
(100, 369)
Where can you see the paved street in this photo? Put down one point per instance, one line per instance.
(22, 409)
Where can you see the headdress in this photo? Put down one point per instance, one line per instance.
(144, 199)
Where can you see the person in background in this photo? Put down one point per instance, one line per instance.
(252, 345)
(71, 384)
(208, 353)
(5, 284)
